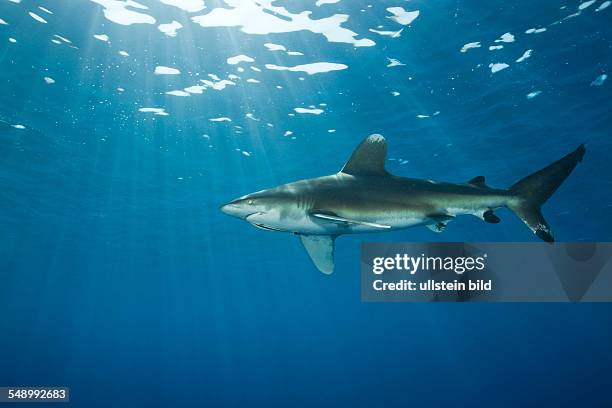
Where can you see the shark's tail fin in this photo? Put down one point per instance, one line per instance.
(533, 191)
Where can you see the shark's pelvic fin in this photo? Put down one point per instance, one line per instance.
(333, 217)
(368, 159)
(490, 217)
(321, 251)
(439, 222)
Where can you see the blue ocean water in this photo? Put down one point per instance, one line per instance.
(120, 277)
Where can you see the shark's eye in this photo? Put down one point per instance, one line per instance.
(250, 202)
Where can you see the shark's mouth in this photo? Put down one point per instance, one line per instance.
(259, 225)
(265, 227)
(252, 215)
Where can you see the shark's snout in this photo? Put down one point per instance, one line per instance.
(234, 209)
(241, 207)
(227, 208)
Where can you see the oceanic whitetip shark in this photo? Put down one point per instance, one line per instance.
(364, 197)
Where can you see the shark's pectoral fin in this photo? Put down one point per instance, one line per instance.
(436, 227)
(321, 251)
(329, 216)
(439, 222)
(368, 159)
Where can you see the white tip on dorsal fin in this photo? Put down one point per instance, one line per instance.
(321, 251)
(368, 159)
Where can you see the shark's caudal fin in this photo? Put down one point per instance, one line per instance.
(535, 189)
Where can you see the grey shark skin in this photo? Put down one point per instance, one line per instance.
(363, 197)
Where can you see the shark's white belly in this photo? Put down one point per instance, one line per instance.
(335, 218)
(304, 223)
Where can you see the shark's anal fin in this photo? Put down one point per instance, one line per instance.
(368, 159)
(488, 216)
(329, 216)
(439, 222)
(321, 251)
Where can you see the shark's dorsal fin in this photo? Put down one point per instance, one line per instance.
(368, 159)
(321, 251)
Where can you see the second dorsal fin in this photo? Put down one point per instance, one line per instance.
(478, 181)
(368, 159)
